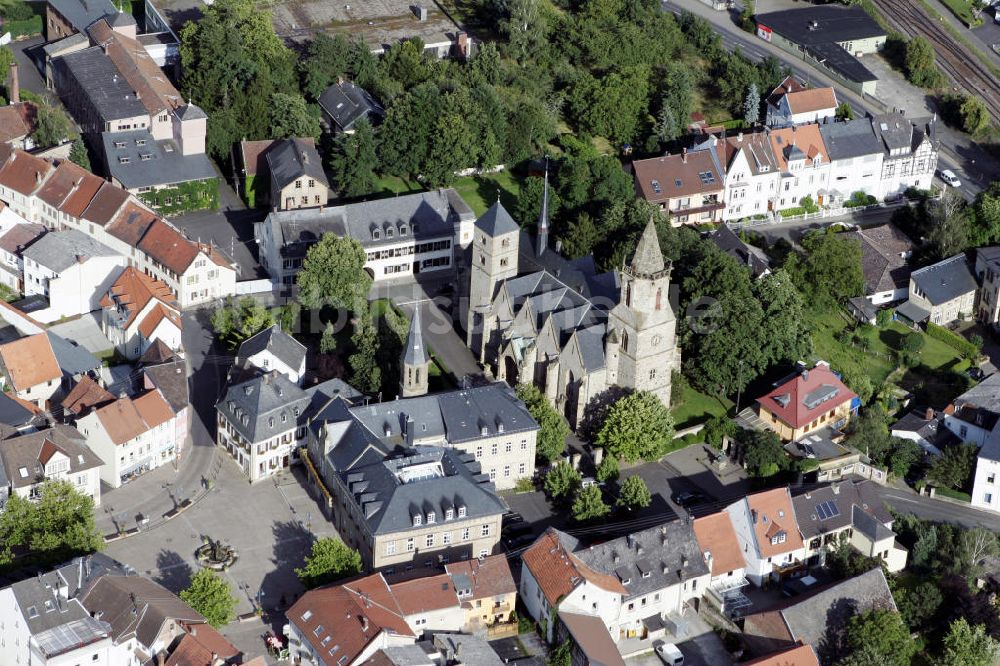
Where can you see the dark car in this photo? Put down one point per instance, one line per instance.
(512, 518)
(517, 542)
(688, 497)
(517, 530)
(977, 373)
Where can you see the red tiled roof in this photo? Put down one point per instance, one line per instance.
(20, 236)
(133, 290)
(167, 246)
(121, 420)
(771, 512)
(677, 176)
(149, 323)
(716, 536)
(104, 206)
(558, 572)
(86, 394)
(806, 138)
(17, 121)
(490, 577)
(63, 182)
(800, 400)
(131, 223)
(153, 409)
(252, 153)
(428, 593)
(802, 655)
(198, 645)
(152, 86)
(30, 361)
(789, 85)
(24, 172)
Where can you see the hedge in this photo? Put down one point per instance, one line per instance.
(953, 340)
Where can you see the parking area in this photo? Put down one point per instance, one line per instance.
(700, 645)
(270, 525)
(230, 228)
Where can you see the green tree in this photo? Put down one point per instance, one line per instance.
(953, 468)
(948, 222)
(52, 127)
(553, 430)
(561, 482)
(60, 525)
(844, 111)
(524, 26)
(638, 426)
(328, 341)
(608, 469)
(589, 504)
(290, 117)
(883, 632)
(78, 154)
(634, 494)
(333, 275)
(985, 227)
(240, 319)
(329, 559)
(562, 655)
(353, 161)
(751, 105)
(913, 342)
(366, 373)
(210, 595)
(832, 267)
(919, 604)
(763, 454)
(975, 116)
(666, 128)
(921, 69)
(330, 58)
(580, 237)
(966, 645)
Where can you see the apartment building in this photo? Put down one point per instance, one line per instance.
(803, 163)
(138, 310)
(687, 187)
(768, 535)
(55, 453)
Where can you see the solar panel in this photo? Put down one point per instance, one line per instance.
(833, 509)
(827, 510)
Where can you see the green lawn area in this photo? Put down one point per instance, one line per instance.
(693, 407)
(842, 358)
(478, 191)
(962, 9)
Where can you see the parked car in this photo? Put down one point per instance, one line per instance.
(688, 497)
(514, 543)
(517, 530)
(511, 518)
(797, 586)
(670, 654)
(949, 177)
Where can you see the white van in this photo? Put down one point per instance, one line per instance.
(669, 654)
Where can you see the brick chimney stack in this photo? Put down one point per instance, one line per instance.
(15, 85)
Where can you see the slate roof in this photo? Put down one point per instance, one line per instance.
(467, 649)
(49, 619)
(806, 395)
(275, 341)
(748, 255)
(26, 451)
(15, 413)
(73, 359)
(290, 159)
(884, 257)
(82, 13)
(843, 497)
(497, 221)
(21, 236)
(985, 395)
(107, 91)
(135, 159)
(136, 606)
(945, 280)
(932, 430)
(388, 498)
(264, 406)
(649, 560)
(850, 138)
(415, 353)
(58, 250)
(346, 103)
(172, 381)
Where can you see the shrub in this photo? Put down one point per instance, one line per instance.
(913, 342)
(953, 340)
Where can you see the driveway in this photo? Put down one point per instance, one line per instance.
(27, 72)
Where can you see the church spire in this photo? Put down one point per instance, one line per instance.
(648, 259)
(415, 353)
(543, 215)
(415, 362)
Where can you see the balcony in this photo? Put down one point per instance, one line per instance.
(733, 583)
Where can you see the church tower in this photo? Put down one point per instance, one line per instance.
(494, 259)
(415, 362)
(641, 344)
(543, 216)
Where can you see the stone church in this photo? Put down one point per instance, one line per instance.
(536, 317)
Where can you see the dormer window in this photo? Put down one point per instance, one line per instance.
(484, 431)
(402, 230)
(449, 514)
(376, 234)
(461, 512)
(431, 518)
(418, 520)
(388, 232)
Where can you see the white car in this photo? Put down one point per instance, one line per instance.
(669, 654)
(949, 177)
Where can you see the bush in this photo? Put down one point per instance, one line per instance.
(17, 11)
(913, 342)
(859, 199)
(953, 340)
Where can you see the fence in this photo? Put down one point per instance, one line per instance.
(247, 287)
(825, 213)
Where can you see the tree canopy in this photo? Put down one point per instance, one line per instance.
(954, 467)
(589, 504)
(966, 645)
(553, 427)
(60, 525)
(328, 560)
(211, 595)
(240, 319)
(884, 634)
(333, 274)
(561, 482)
(634, 494)
(638, 426)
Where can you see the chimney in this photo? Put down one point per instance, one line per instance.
(739, 138)
(929, 414)
(161, 658)
(684, 155)
(364, 623)
(15, 84)
(835, 488)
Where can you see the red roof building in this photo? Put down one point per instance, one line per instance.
(809, 400)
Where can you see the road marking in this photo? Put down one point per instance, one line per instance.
(902, 499)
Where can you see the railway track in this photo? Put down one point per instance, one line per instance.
(962, 67)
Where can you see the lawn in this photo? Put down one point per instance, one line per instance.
(693, 407)
(478, 191)
(962, 9)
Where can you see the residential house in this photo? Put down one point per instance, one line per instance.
(18, 120)
(12, 244)
(71, 270)
(296, 173)
(974, 417)
(58, 453)
(910, 153)
(273, 349)
(807, 401)
(132, 436)
(926, 428)
(688, 187)
(19, 416)
(810, 620)
(45, 623)
(800, 655)
(885, 258)
(632, 585)
(136, 311)
(751, 174)
(985, 493)
(423, 506)
(261, 423)
(425, 232)
(803, 163)
(941, 293)
(848, 512)
(486, 590)
(429, 603)
(167, 373)
(724, 557)
(748, 255)
(795, 103)
(856, 157)
(85, 396)
(30, 368)
(64, 18)
(344, 103)
(988, 276)
(768, 534)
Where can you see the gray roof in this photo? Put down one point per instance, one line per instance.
(283, 346)
(135, 159)
(933, 430)
(106, 89)
(750, 256)
(346, 103)
(913, 312)
(289, 159)
(814, 517)
(883, 264)
(136, 606)
(415, 353)
(190, 111)
(991, 447)
(423, 215)
(650, 560)
(984, 395)
(894, 129)
(57, 623)
(467, 649)
(442, 478)
(497, 221)
(403, 655)
(648, 259)
(945, 280)
(13, 413)
(82, 13)
(76, 39)
(866, 524)
(850, 139)
(264, 406)
(832, 24)
(20, 454)
(172, 380)
(58, 250)
(71, 357)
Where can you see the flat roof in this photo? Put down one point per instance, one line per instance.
(135, 159)
(822, 24)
